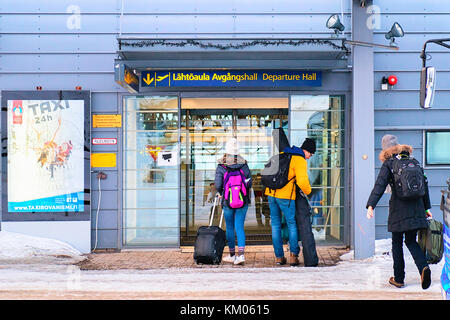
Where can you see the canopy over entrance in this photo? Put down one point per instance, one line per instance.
(139, 54)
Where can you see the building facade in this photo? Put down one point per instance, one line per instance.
(167, 83)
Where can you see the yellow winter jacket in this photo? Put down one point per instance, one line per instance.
(298, 169)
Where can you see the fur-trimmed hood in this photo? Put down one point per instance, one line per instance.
(390, 152)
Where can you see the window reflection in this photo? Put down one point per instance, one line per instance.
(151, 182)
(321, 117)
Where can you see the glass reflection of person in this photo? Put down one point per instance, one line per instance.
(261, 202)
(210, 201)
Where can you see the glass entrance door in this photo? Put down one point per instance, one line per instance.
(204, 133)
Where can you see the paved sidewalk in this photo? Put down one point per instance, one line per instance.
(144, 259)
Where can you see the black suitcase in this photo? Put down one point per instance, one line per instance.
(210, 242)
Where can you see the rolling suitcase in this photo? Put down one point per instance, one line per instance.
(210, 242)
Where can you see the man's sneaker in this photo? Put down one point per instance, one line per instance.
(280, 261)
(425, 278)
(239, 259)
(294, 260)
(229, 259)
(395, 283)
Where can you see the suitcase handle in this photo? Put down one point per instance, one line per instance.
(213, 210)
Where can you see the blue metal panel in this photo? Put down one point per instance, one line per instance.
(417, 6)
(105, 102)
(178, 6)
(419, 26)
(58, 23)
(409, 99)
(412, 118)
(410, 61)
(64, 81)
(306, 6)
(105, 203)
(42, 6)
(106, 238)
(437, 176)
(107, 219)
(362, 140)
(57, 62)
(412, 138)
(104, 148)
(416, 22)
(108, 184)
(41, 43)
(411, 41)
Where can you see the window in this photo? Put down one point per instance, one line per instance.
(151, 183)
(321, 117)
(437, 148)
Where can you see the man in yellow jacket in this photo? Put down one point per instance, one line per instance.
(280, 201)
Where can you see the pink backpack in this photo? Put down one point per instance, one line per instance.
(235, 189)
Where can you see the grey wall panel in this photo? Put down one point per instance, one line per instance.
(419, 7)
(410, 61)
(437, 176)
(105, 101)
(410, 137)
(418, 117)
(411, 41)
(61, 81)
(59, 6)
(105, 148)
(411, 80)
(421, 21)
(409, 99)
(192, 23)
(414, 22)
(106, 238)
(107, 219)
(111, 183)
(58, 23)
(230, 7)
(35, 43)
(57, 62)
(108, 200)
(381, 232)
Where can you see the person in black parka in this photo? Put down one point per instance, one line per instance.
(406, 217)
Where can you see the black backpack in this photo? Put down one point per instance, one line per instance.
(275, 173)
(409, 181)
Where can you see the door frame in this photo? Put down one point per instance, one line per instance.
(239, 93)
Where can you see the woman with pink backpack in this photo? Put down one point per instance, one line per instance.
(233, 182)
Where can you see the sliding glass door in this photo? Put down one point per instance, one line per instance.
(151, 172)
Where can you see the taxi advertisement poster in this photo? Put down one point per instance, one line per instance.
(45, 155)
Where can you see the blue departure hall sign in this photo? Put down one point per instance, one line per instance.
(230, 78)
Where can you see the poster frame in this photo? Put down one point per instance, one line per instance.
(84, 95)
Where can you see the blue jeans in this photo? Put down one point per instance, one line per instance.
(276, 207)
(234, 220)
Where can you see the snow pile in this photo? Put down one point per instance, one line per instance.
(382, 249)
(21, 248)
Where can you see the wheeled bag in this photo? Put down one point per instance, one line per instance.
(210, 241)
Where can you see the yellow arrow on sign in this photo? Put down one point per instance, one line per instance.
(148, 80)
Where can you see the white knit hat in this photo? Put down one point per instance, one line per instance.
(232, 147)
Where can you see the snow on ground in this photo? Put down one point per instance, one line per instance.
(30, 263)
(21, 248)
